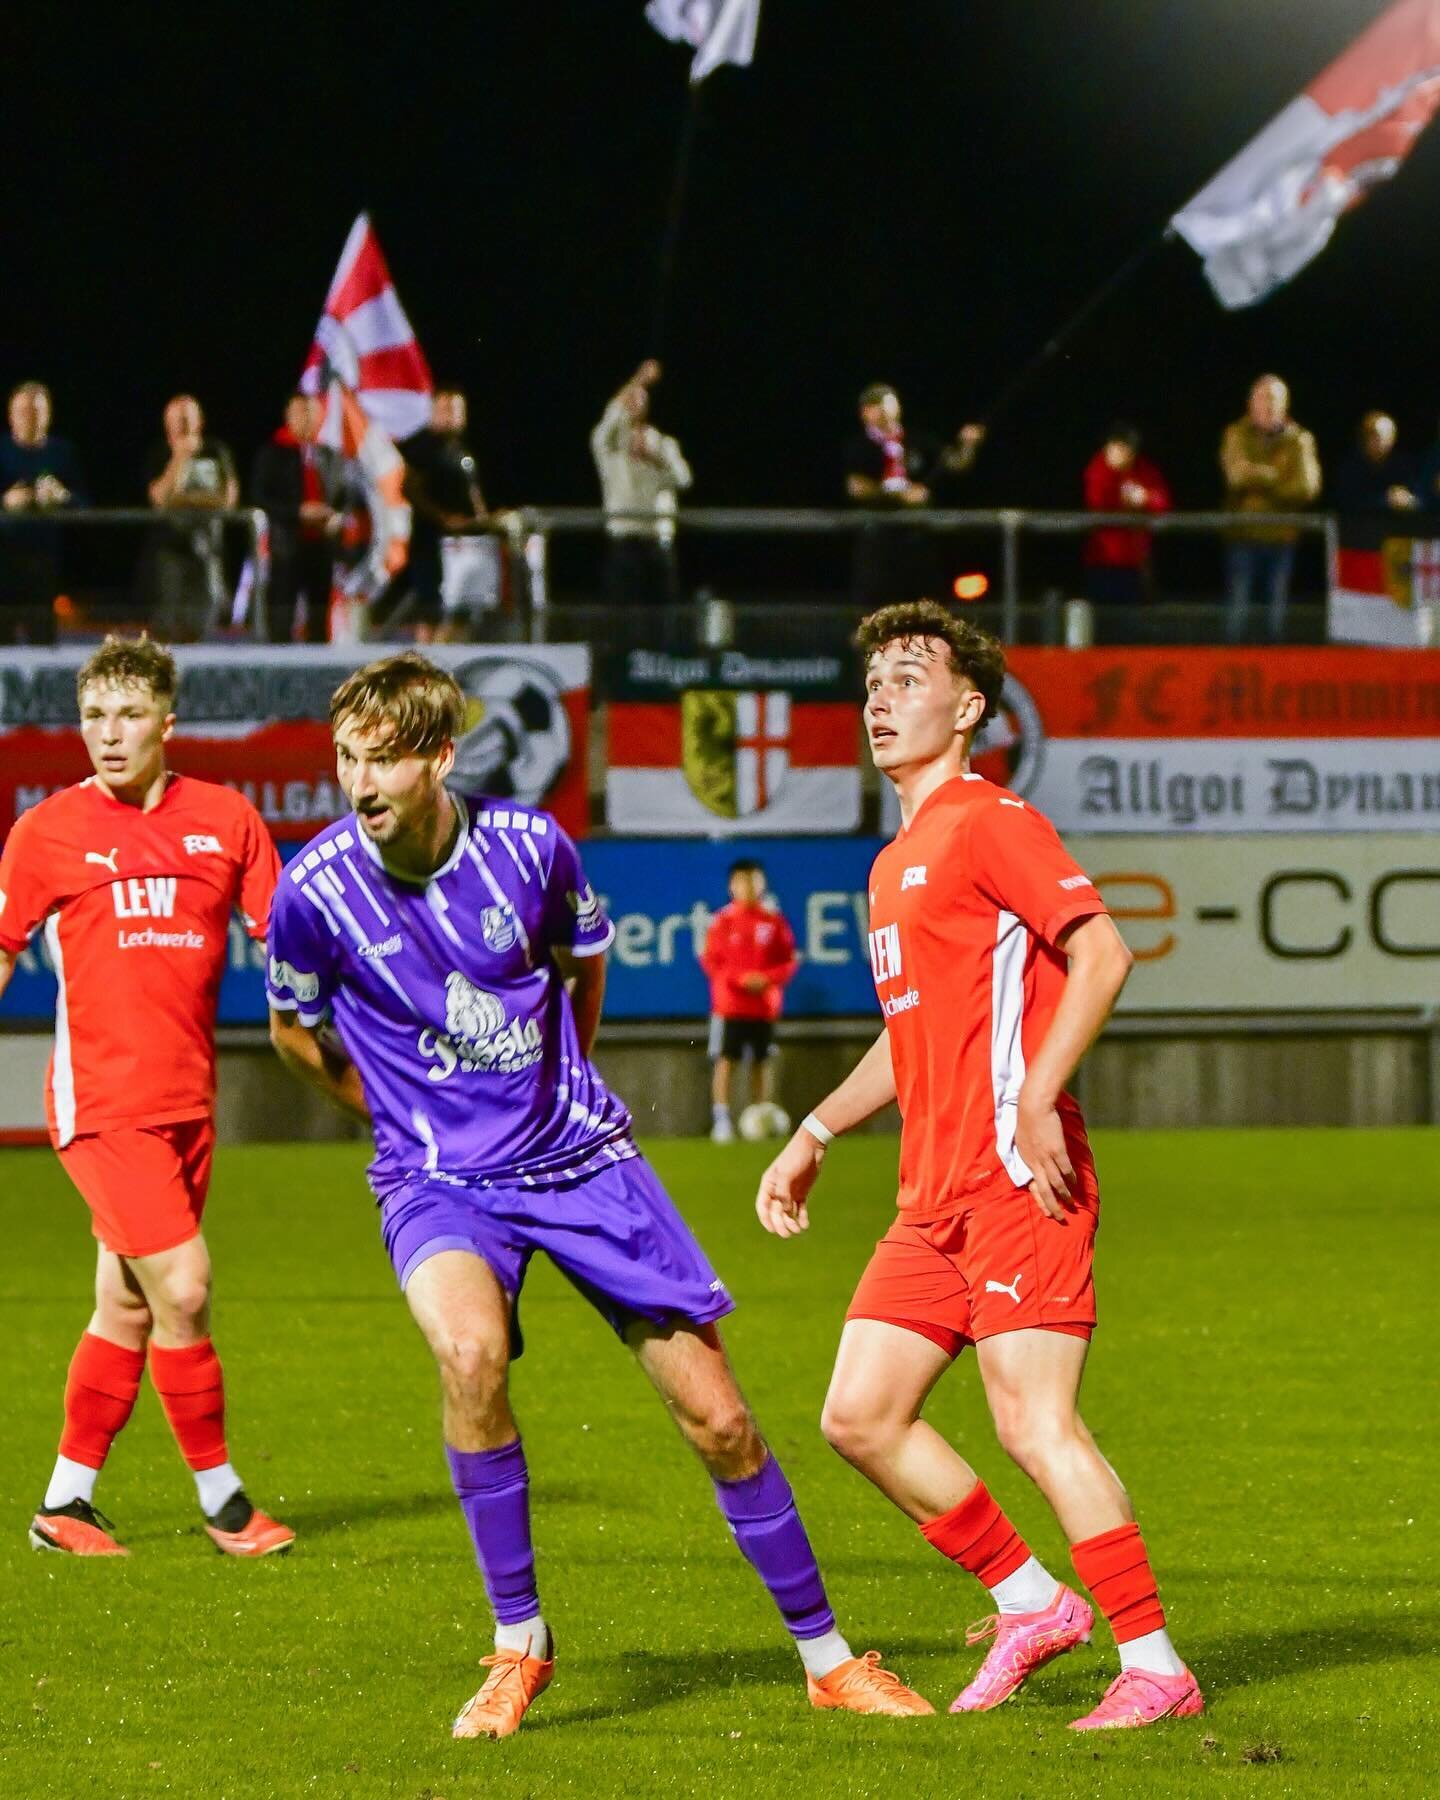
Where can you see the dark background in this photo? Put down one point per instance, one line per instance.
(919, 190)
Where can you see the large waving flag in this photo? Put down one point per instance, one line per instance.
(1274, 207)
(376, 384)
(721, 31)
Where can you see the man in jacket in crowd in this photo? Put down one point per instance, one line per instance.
(1270, 465)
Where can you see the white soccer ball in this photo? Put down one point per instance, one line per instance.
(764, 1119)
(516, 740)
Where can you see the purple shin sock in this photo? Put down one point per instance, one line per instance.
(760, 1510)
(493, 1488)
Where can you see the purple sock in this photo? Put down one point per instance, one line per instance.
(760, 1510)
(493, 1487)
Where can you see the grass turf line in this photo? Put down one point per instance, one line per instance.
(1262, 1378)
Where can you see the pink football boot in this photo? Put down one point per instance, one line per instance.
(1140, 1697)
(1023, 1643)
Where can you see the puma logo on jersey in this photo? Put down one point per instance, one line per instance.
(150, 898)
(913, 877)
(107, 861)
(885, 953)
(1012, 802)
(198, 845)
(999, 1287)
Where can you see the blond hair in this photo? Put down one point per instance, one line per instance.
(131, 662)
(422, 704)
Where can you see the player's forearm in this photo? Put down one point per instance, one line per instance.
(1099, 964)
(586, 987)
(869, 1086)
(328, 1071)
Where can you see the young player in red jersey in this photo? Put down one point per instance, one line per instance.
(996, 965)
(134, 874)
(749, 956)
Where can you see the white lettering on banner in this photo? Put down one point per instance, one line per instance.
(1240, 784)
(885, 953)
(1274, 924)
(825, 932)
(147, 897)
(642, 941)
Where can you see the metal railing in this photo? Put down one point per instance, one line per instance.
(115, 573)
(772, 559)
(1003, 531)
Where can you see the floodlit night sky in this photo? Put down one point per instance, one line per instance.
(920, 190)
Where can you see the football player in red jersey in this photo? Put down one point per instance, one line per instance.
(134, 874)
(995, 965)
(749, 956)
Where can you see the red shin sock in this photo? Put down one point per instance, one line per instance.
(192, 1391)
(1116, 1569)
(100, 1395)
(978, 1536)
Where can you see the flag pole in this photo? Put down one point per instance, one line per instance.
(674, 218)
(1076, 322)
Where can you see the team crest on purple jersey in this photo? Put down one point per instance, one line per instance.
(446, 995)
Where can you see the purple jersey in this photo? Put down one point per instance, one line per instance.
(445, 995)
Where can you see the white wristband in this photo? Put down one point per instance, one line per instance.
(822, 1134)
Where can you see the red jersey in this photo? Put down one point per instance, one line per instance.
(965, 907)
(748, 940)
(1116, 546)
(136, 908)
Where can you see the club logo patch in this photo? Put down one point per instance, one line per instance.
(497, 927)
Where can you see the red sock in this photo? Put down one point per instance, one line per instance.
(1116, 1569)
(100, 1395)
(192, 1391)
(978, 1536)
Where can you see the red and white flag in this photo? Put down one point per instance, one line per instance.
(721, 31)
(725, 762)
(1273, 208)
(365, 342)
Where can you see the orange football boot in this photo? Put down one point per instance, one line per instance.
(260, 1535)
(862, 1686)
(76, 1529)
(516, 1680)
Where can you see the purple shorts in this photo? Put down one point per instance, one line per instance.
(615, 1234)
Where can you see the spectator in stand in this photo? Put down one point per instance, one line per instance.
(641, 473)
(39, 474)
(443, 489)
(1270, 465)
(301, 484)
(187, 477)
(1119, 479)
(1375, 486)
(749, 956)
(891, 470)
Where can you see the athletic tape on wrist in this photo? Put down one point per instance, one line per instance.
(821, 1133)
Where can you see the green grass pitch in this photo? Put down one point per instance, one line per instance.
(1263, 1378)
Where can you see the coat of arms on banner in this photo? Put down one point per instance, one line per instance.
(735, 748)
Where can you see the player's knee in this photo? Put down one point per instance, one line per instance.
(183, 1301)
(472, 1365)
(1030, 1436)
(854, 1432)
(728, 1435)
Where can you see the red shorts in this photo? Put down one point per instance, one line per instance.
(145, 1185)
(997, 1265)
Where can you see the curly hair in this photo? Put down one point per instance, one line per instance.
(131, 662)
(973, 652)
(421, 703)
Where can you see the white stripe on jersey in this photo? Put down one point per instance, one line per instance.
(440, 907)
(62, 1067)
(1007, 1053)
(514, 856)
(529, 844)
(330, 883)
(364, 887)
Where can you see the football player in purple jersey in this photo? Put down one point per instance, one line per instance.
(437, 967)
